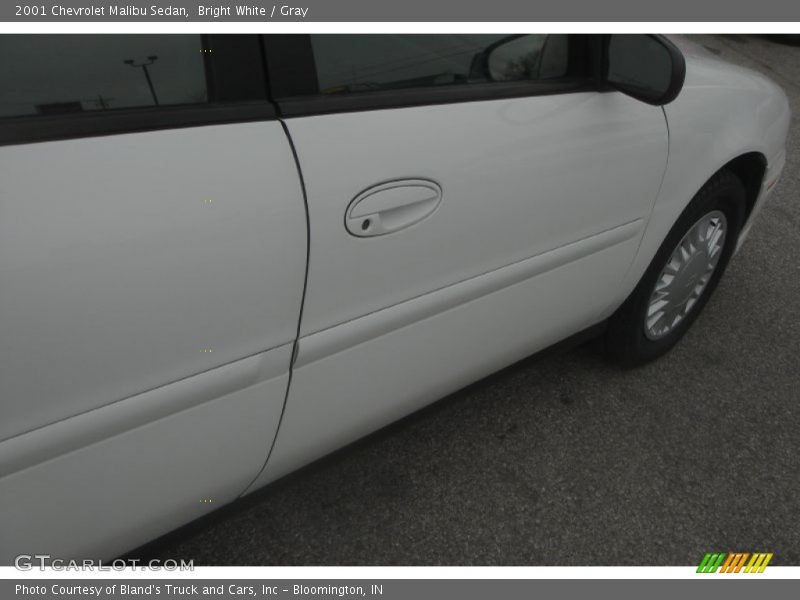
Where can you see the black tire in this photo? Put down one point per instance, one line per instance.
(626, 341)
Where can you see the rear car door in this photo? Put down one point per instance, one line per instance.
(152, 263)
(472, 199)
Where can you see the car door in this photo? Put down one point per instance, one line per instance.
(152, 263)
(471, 198)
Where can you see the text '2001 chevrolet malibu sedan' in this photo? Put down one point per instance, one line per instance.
(222, 257)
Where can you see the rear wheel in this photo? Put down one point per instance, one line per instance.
(682, 276)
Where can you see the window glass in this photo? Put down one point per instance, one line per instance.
(58, 74)
(356, 63)
(529, 57)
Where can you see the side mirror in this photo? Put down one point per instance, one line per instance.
(646, 67)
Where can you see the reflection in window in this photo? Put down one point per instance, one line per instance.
(531, 57)
(356, 63)
(58, 74)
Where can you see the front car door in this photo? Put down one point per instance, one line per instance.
(471, 198)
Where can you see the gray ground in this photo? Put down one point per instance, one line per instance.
(567, 460)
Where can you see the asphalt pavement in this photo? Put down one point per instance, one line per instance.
(567, 460)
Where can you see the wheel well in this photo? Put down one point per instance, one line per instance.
(750, 169)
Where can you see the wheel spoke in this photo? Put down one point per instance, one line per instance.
(699, 238)
(714, 238)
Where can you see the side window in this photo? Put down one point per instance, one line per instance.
(60, 74)
(358, 63)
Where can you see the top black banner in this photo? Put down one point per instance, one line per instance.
(406, 11)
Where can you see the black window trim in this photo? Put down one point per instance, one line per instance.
(292, 80)
(45, 128)
(36, 128)
(402, 98)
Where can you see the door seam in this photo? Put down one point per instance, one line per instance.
(295, 347)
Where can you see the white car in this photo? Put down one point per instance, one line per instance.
(222, 257)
